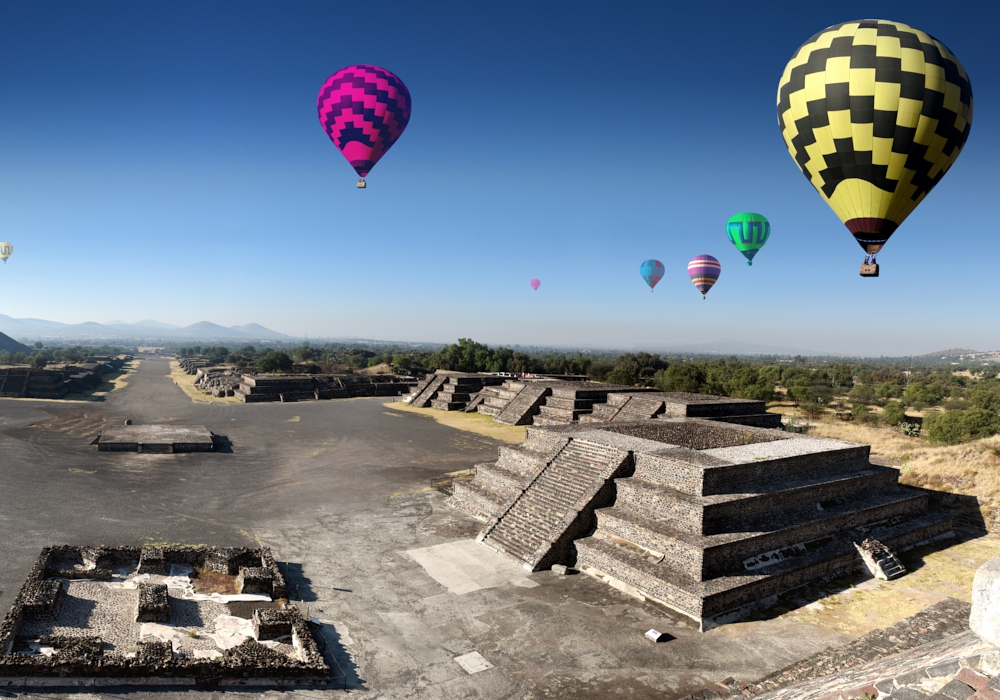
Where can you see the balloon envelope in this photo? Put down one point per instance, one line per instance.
(363, 110)
(704, 271)
(535, 284)
(874, 113)
(652, 271)
(5, 250)
(748, 232)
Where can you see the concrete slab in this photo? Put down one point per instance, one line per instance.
(465, 566)
(473, 662)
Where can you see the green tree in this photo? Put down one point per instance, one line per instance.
(275, 361)
(889, 390)
(38, 361)
(686, 378)
(893, 413)
(862, 394)
(621, 374)
(861, 413)
(954, 427)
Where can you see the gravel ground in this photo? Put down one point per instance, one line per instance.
(696, 435)
(791, 447)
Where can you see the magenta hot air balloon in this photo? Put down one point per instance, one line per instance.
(535, 284)
(363, 110)
(704, 271)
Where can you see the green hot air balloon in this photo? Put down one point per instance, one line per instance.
(749, 233)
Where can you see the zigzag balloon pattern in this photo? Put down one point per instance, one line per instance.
(363, 110)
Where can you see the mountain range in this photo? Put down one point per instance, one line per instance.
(40, 329)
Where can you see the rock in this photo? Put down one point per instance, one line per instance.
(985, 617)
(559, 569)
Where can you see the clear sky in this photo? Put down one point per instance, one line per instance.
(164, 160)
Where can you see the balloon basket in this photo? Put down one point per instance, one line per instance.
(362, 184)
(869, 270)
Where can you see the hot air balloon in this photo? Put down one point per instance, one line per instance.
(652, 271)
(704, 271)
(535, 284)
(748, 232)
(363, 110)
(874, 113)
(5, 250)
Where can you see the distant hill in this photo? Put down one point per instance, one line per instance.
(142, 330)
(10, 345)
(961, 356)
(951, 352)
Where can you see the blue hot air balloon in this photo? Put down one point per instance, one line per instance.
(652, 271)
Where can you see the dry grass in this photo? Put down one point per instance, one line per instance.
(208, 582)
(971, 469)
(470, 422)
(185, 383)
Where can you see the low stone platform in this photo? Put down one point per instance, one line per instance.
(155, 439)
(124, 626)
(709, 518)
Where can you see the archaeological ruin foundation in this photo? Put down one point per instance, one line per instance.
(155, 439)
(152, 615)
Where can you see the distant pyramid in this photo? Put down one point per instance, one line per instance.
(11, 345)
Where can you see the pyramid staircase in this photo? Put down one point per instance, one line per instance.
(537, 525)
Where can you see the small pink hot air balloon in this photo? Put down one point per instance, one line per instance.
(535, 284)
(704, 271)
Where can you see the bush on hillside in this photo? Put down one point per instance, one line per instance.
(893, 413)
(954, 427)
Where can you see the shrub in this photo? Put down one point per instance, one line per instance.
(954, 427)
(861, 414)
(893, 413)
(910, 429)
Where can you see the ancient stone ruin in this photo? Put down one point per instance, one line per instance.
(155, 439)
(256, 388)
(26, 383)
(547, 401)
(172, 615)
(707, 517)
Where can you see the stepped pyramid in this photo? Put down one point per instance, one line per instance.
(710, 518)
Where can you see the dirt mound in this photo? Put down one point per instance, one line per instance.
(376, 370)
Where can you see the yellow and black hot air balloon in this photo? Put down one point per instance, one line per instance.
(874, 113)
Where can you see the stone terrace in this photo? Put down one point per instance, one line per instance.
(706, 517)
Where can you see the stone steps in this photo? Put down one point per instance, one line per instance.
(422, 398)
(474, 404)
(539, 516)
(477, 500)
(525, 405)
(446, 405)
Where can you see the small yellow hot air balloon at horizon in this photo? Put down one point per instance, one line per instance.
(874, 113)
(5, 250)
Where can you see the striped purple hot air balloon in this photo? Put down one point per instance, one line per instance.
(363, 110)
(704, 270)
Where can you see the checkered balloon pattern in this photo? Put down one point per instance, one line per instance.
(874, 113)
(363, 110)
(704, 270)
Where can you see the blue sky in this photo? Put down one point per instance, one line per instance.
(164, 160)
